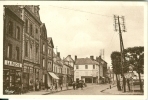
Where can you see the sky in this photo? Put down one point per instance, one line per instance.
(83, 29)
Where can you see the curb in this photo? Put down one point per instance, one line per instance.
(118, 93)
(55, 92)
(107, 88)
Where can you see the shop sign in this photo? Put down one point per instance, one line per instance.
(11, 63)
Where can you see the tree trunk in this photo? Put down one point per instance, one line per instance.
(118, 84)
(141, 89)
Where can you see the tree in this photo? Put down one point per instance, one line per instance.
(116, 64)
(135, 56)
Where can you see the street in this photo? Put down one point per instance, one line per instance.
(89, 90)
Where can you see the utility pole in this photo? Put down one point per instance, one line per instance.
(120, 30)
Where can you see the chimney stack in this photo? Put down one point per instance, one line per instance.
(92, 57)
(58, 54)
(69, 55)
(75, 58)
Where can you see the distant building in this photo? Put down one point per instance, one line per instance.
(43, 55)
(69, 63)
(50, 47)
(86, 69)
(12, 50)
(103, 66)
(57, 68)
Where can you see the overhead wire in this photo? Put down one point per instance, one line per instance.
(81, 11)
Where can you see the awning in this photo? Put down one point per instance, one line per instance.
(53, 75)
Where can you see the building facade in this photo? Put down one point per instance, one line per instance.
(103, 69)
(43, 55)
(12, 50)
(86, 69)
(31, 47)
(57, 68)
(69, 62)
(50, 47)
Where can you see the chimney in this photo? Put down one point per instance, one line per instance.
(69, 55)
(99, 57)
(58, 54)
(75, 58)
(92, 57)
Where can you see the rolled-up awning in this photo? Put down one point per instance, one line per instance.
(53, 75)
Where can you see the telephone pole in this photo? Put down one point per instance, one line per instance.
(120, 27)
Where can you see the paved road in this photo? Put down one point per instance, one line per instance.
(89, 90)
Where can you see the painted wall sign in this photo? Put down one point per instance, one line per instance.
(11, 63)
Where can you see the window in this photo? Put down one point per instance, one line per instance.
(86, 66)
(36, 51)
(49, 65)
(43, 62)
(77, 67)
(43, 79)
(26, 25)
(17, 33)
(93, 66)
(31, 29)
(9, 51)
(36, 31)
(10, 28)
(17, 53)
(26, 48)
(43, 47)
(31, 51)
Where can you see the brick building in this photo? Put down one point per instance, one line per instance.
(31, 47)
(12, 50)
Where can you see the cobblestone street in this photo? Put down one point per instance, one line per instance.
(89, 90)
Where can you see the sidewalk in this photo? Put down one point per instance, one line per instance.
(45, 92)
(114, 91)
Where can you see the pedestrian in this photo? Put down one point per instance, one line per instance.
(46, 86)
(51, 87)
(77, 84)
(73, 85)
(56, 86)
(40, 84)
(81, 84)
(61, 86)
(67, 85)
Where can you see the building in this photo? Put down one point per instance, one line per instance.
(86, 69)
(69, 62)
(102, 67)
(12, 50)
(57, 68)
(31, 47)
(50, 47)
(43, 55)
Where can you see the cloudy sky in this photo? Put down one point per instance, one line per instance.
(83, 29)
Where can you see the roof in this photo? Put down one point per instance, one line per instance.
(83, 61)
(15, 9)
(50, 41)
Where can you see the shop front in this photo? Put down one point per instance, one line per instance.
(55, 78)
(12, 73)
(30, 77)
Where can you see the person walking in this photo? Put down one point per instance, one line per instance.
(51, 87)
(77, 84)
(61, 86)
(73, 85)
(81, 85)
(67, 85)
(56, 86)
